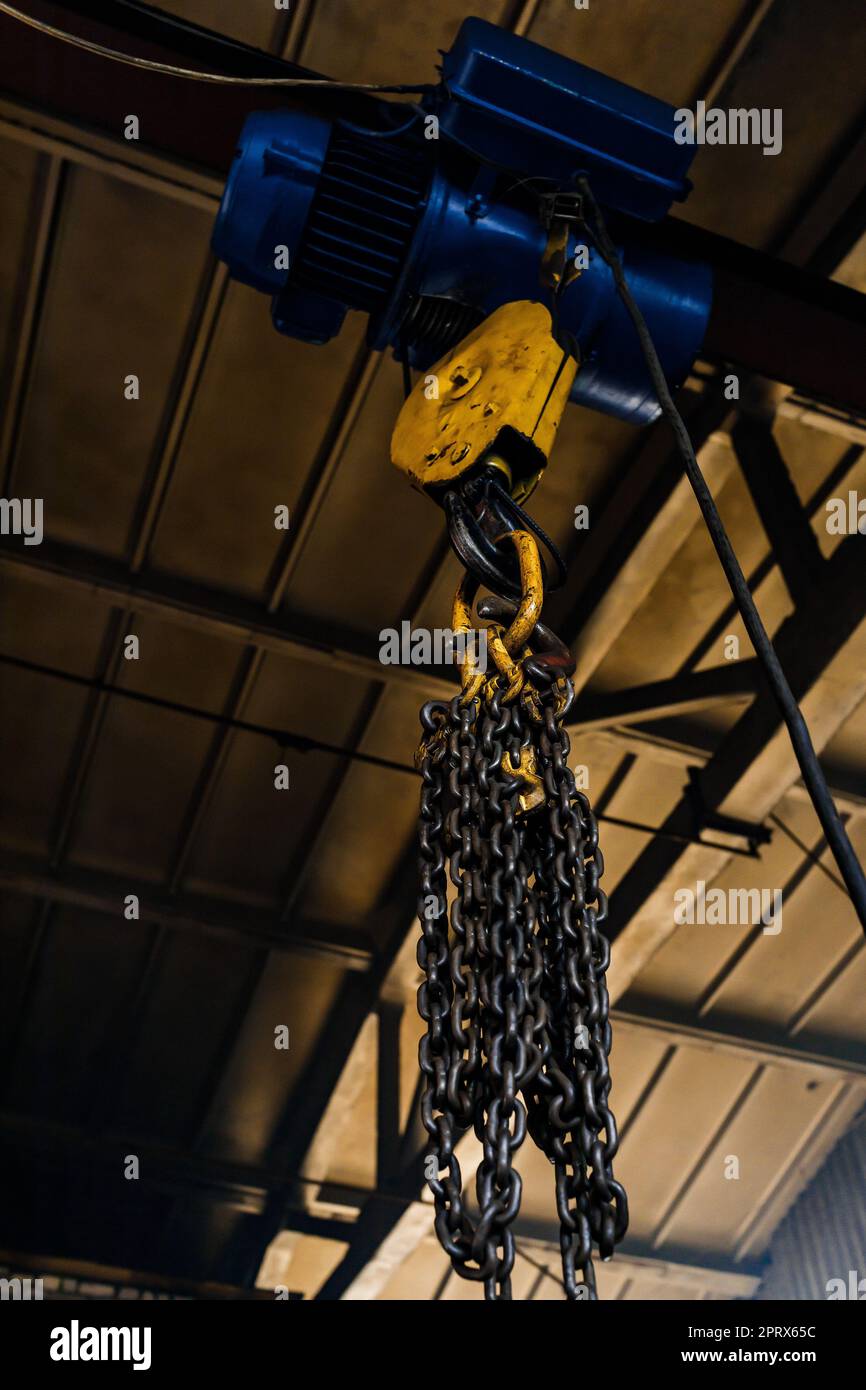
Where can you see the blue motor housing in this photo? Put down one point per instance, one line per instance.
(553, 117)
(433, 221)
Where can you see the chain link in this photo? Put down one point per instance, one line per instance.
(514, 994)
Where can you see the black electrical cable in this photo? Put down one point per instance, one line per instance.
(529, 523)
(404, 364)
(813, 777)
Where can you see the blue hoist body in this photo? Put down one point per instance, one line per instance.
(431, 222)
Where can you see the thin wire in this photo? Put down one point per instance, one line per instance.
(816, 785)
(285, 738)
(543, 1269)
(151, 65)
(417, 113)
(810, 854)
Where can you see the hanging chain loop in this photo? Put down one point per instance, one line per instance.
(513, 993)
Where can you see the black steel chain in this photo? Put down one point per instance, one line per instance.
(514, 995)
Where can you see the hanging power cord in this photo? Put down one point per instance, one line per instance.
(813, 777)
(151, 65)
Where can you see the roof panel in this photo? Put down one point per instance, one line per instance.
(259, 1077)
(361, 567)
(718, 1207)
(21, 173)
(694, 962)
(768, 188)
(124, 275)
(143, 774)
(669, 47)
(36, 749)
(781, 972)
(88, 969)
(376, 44)
(669, 1136)
(252, 22)
(51, 628)
(263, 408)
(192, 1000)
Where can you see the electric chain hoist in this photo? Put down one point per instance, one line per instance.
(442, 212)
(469, 253)
(469, 227)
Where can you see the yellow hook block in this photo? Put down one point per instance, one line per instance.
(496, 398)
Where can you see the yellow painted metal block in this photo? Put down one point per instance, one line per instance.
(498, 396)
